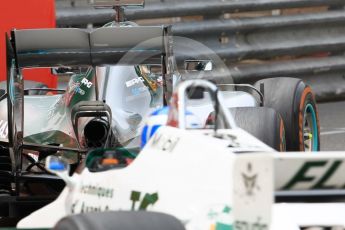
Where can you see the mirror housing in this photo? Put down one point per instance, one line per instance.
(60, 167)
(198, 65)
(63, 71)
(117, 3)
(57, 164)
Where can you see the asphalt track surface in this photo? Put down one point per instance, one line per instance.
(332, 122)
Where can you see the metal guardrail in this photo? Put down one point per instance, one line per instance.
(306, 45)
(84, 14)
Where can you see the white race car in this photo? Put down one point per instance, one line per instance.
(218, 178)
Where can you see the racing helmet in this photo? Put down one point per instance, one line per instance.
(159, 118)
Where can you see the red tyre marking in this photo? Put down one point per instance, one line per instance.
(281, 133)
(300, 116)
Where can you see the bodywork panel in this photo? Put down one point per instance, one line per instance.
(180, 182)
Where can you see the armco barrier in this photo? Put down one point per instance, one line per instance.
(309, 45)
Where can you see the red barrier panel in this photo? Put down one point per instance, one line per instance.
(26, 14)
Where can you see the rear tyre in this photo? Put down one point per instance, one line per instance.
(296, 104)
(263, 123)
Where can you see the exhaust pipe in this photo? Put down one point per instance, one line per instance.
(96, 133)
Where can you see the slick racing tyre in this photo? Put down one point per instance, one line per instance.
(263, 123)
(120, 220)
(295, 102)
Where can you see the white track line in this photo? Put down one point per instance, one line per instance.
(333, 132)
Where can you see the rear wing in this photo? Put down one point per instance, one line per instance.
(301, 176)
(38, 48)
(103, 46)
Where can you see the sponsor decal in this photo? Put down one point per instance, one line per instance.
(212, 217)
(84, 208)
(138, 90)
(86, 82)
(317, 174)
(250, 180)
(104, 196)
(3, 129)
(80, 206)
(147, 200)
(75, 87)
(222, 219)
(98, 191)
(134, 81)
(165, 143)
(253, 193)
(79, 90)
(245, 225)
(233, 143)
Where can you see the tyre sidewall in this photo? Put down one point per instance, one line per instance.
(305, 97)
(289, 97)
